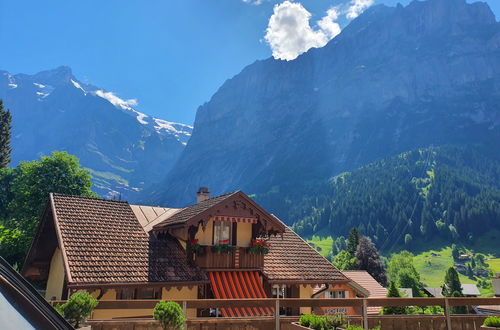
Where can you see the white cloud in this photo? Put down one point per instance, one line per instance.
(289, 33)
(115, 100)
(328, 24)
(356, 7)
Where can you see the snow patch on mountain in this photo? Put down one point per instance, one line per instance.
(77, 85)
(181, 131)
(11, 82)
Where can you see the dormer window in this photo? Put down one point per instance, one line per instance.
(224, 233)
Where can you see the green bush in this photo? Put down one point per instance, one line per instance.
(318, 323)
(492, 321)
(305, 320)
(355, 327)
(313, 321)
(78, 307)
(335, 321)
(169, 314)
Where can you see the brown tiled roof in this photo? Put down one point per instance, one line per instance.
(293, 259)
(103, 242)
(364, 279)
(193, 210)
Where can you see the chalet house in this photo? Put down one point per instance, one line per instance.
(212, 249)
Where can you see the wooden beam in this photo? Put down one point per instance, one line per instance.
(365, 314)
(447, 314)
(277, 323)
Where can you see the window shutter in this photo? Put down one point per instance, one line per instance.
(346, 293)
(234, 236)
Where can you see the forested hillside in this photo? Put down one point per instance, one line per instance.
(447, 193)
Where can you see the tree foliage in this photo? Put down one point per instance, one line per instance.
(169, 314)
(393, 292)
(451, 283)
(401, 270)
(345, 261)
(368, 259)
(447, 193)
(5, 134)
(353, 241)
(25, 191)
(78, 308)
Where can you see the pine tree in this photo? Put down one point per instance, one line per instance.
(451, 283)
(353, 241)
(5, 127)
(393, 292)
(369, 259)
(455, 252)
(470, 272)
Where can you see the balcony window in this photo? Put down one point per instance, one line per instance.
(223, 232)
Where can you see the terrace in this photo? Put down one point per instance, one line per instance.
(447, 320)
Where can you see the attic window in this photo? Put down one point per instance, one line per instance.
(222, 232)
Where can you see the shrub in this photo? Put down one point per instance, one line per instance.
(318, 323)
(77, 308)
(169, 314)
(355, 327)
(313, 321)
(335, 321)
(492, 321)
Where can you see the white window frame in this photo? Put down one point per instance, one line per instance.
(221, 236)
(338, 294)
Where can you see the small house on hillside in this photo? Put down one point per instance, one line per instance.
(434, 292)
(468, 290)
(223, 247)
(496, 285)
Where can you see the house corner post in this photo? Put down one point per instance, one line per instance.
(365, 314)
(184, 311)
(277, 324)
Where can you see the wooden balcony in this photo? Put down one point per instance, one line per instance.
(240, 259)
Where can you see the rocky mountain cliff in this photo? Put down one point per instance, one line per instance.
(395, 79)
(124, 149)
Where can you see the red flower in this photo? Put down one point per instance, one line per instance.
(194, 242)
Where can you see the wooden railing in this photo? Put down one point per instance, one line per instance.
(447, 320)
(213, 260)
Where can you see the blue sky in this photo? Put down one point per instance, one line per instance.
(169, 55)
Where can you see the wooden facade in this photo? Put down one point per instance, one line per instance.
(241, 258)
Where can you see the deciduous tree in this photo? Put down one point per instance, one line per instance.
(369, 259)
(5, 128)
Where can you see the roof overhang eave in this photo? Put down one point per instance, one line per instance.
(108, 285)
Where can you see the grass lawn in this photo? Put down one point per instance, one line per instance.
(494, 264)
(433, 268)
(321, 244)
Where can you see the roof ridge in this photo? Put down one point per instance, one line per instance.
(88, 197)
(212, 198)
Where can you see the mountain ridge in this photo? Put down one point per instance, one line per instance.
(53, 110)
(395, 79)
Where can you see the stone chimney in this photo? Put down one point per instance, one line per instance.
(202, 195)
